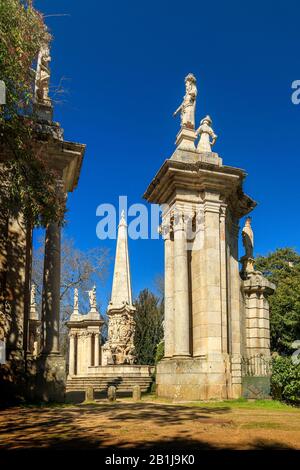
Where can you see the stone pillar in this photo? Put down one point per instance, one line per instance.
(257, 288)
(72, 355)
(89, 349)
(213, 275)
(169, 319)
(181, 291)
(52, 365)
(223, 265)
(51, 290)
(97, 350)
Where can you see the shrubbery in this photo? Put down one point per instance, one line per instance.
(285, 381)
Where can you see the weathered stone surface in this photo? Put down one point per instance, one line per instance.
(51, 378)
(213, 315)
(89, 393)
(111, 393)
(119, 348)
(136, 393)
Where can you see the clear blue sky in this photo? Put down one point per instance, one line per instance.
(125, 62)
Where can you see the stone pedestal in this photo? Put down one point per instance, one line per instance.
(185, 139)
(51, 378)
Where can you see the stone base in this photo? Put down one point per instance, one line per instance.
(51, 378)
(191, 379)
(122, 370)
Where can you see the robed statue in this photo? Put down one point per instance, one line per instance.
(188, 105)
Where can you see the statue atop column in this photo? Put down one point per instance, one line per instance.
(42, 80)
(188, 105)
(92, 299)
(206, 132)
(248, 242)
(76, 307)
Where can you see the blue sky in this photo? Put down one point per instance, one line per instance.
(123, 64)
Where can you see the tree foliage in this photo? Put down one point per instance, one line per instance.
(80, 269)
(149, 326)
(26, 183)
(283, 268)
(285, 381)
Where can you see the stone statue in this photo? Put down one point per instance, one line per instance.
(205, 132)
(42, 79)
(33, 295)
(92, 299)
(188, 106)
(248, 241)
(248, 238)
(76, 308)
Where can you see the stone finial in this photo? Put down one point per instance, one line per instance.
(136, 393)
(89, 393)
(123, 219)
(248, 241)
(205, 131)
(188, 105)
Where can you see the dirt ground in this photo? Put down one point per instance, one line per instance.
(128, 425)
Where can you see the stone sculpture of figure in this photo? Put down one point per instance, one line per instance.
(188, 106)
(42, 79)
(75, 299)
(92, 298)
(248, 239)
(33, 295)
(205, 132)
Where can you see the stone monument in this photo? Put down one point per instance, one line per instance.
(117, 366)
(121, 325)
(216, 319)
(84, 336)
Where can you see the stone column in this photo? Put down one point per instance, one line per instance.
(169, 319)
(89, 350)
(223, 265)
(51, 290)
(213, 275)
(181, 291)
(97, 350)
(72, 355)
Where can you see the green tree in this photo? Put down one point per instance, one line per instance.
(283, 268)
(79, 269)
(149, 326)
(26, 183)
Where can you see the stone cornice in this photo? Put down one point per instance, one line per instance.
(197, 177)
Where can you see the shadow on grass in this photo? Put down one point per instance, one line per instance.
(73, 428)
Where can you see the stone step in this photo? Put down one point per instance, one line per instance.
(123, 384)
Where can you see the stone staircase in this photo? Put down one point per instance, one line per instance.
(123, 385)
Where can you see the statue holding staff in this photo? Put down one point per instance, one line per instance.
(188, 106)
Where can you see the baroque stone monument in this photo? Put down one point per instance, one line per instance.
(84, 337)
(119, 348)
(216, 318)
(115, 366)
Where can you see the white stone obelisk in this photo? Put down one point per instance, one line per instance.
(121, 324)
